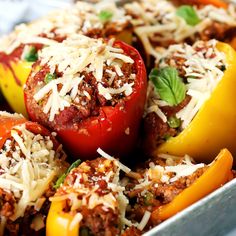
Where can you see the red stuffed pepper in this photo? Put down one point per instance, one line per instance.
(91, 92)
(20, 49)
(30, 162)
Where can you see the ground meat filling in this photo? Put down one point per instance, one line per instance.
(92, 191)
(25, 157)
(200, 67)
(160, 184)
(106, 80)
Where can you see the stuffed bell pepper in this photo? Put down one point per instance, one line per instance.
(169, 184)
(90, 200)
(162, 22)
(20, 49)
(191, 101)
(91, 92)
(31, 160)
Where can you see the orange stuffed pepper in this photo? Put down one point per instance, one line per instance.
(169, 184)
(31, 161)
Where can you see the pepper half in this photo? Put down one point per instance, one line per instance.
(115, 128)
(13, 75)
(214, 126)
(215, 176)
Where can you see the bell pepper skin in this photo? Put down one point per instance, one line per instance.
(215, 176)
(58, 222)
(216, 3)
(115, 129)
(12, 80)
(6, 124)
(214, 126)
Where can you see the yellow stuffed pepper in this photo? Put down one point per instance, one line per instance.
(191, 101)
(13, 75)
(87, 200)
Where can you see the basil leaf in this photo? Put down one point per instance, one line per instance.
(49, 77)
(32, 55)
(189, 14)
(174, 122)
(105, 15)
(169, 85)
(61, 179)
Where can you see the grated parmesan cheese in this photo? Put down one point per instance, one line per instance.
(144, 220)
(72, 57)
(202, 70)
(85, 192)
(107, 156)
(156, 22)
(26, 173)
(175, 168)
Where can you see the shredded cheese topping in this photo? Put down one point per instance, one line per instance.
(202, 67)
(74, 56)
(156, 21)
(174, 169)
(85, 190)
(81, 18)
(28, 165)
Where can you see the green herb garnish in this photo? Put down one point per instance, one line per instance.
(31, 55)
(169, 85)
(189, 14)
(174, 122)
(148, 199)
(166, 137)
(49, 77)
(105, 15)
(63, 176)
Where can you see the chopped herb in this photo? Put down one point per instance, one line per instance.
(105, 15)
(174, 122)
(49, 77)
(31, 55)
(169, 85)
(63, 176)
(189, 14)
(166, 137)
(148, 199)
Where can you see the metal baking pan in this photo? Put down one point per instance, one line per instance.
(213, 215)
